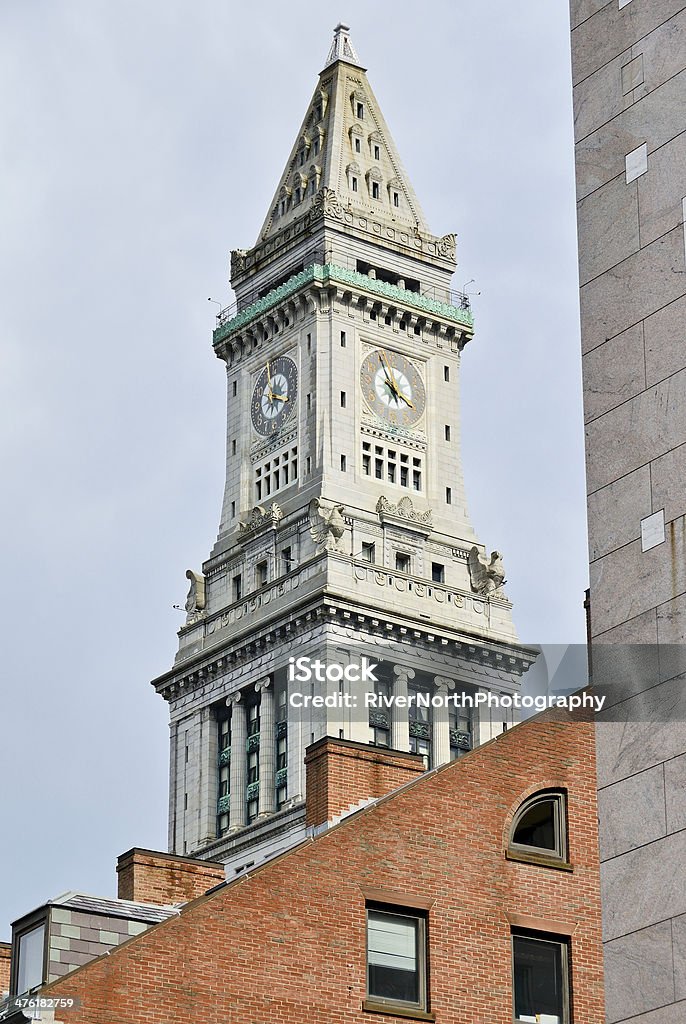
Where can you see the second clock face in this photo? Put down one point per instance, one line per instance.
(274, 395)
(393, 388)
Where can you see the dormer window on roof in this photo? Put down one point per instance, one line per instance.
(353, 173)
(358, 101)
(374, 180)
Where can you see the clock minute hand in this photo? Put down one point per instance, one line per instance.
(280, 398)
(390, 380)
(405, 400)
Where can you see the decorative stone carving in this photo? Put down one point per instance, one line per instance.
(446, 247)
(261, 517)
(487, 577)
(238, 261)
(405, 511)
(195, 602)
(326, 527)
(327, 204)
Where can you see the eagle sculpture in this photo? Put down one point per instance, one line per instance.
(326, 526)
(486, 577)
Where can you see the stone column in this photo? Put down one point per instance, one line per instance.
(441, 722)
(208, 777)
(239, 762)
(400, 724)
(267, 804)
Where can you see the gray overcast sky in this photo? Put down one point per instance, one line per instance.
(141, 141)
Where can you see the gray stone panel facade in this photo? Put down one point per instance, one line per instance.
(629, 73)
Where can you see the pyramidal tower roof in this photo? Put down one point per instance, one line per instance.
(344, 147)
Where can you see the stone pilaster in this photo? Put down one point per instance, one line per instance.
(208, 780)
(267, 804)
(441, 722)
(239, 762)
(400, 725)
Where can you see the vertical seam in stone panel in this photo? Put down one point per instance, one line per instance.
(683, 224)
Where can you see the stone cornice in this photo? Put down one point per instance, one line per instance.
(331, 273)
(320, 610)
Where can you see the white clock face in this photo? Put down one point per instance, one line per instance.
(395, 397)
(393, 388)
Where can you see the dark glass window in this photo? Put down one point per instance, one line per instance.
(540, 979)
(396, 958)
(539, 826)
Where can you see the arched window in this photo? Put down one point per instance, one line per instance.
(539, 827)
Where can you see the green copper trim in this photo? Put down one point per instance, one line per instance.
(225, 756)
(331, 272)
(253, 790)
(223, 804)
(281, 777)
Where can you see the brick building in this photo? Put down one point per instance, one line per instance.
(413, 907)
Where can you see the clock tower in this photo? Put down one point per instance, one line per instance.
(345, 562)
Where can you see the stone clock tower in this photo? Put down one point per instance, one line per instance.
(344, 532)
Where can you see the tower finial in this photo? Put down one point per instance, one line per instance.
(341, 47)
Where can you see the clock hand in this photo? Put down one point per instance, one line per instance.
(390, 380)
(280, 398)
(405, 400)
(269, 383)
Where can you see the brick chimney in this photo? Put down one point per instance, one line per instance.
(5, 958)
(340, 774)
(150, 877)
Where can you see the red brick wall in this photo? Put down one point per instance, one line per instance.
(5, 956)
(286, 944)
(151, 877)
(341, 773)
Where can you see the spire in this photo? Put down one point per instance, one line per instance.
(342, 47)
(345, 152)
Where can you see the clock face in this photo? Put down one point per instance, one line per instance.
(274, 396)
(393, 388)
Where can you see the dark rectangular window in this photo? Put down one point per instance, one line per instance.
(448, 495)
(375, 190)
(446, 373)
(237, 584)
(437, 572)
(402, 562)
(354, 184)
(396, 199)
(447, 432)
(233, 447)
(368, 552)
(308, 465)
(377, 153)
(541, 979)
(344, 464)
(358, 146)
(360, 111)
(261, 574)
(309, 403)
(309, 343)
(342, 339)
(396, 959)
(234, 388)
(233, 509)
(343, 399)
(286, 560)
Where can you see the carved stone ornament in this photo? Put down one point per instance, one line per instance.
(262, 517)
(327, 204)
(487, 577)
(446, 247)
(406, 511)
(326, 525)
(238, 261)
(195, 602)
